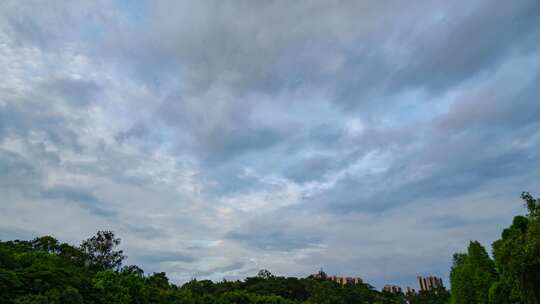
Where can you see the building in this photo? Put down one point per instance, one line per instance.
(429, 283)
(345, 280)
(340, 280)
(410, 291)
(392, 288)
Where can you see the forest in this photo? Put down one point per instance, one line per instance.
(45, 270)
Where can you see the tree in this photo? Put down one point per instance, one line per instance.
(517, 256)
(46, 243)
(100, 250)
(110, 287)
(532, 204)
(500, 293)
(434, 296)
(472, 275)
(159, 280)
(326, 292)
(264, 274)
(32, 299)
(158, 287)
(71, 295)
(9, 282)
(133, 269)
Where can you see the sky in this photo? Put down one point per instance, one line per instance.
(217, 138)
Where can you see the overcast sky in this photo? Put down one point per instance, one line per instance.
(216, 138)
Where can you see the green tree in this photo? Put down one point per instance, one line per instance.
(436, 296)
(472, 275)
(133, 279)
(100, 249)
(111, 288)
(517, 256)
(9, 282)
(32, 299)
(326, 292)
(158, 287)
(46, 243)
(71, 295)
(500, 293)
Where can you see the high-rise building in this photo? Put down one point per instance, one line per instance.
(392, 288)
(345, 280)
(340, 280)
(429, 283)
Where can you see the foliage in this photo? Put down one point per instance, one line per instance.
(517, 256)
(435, 296)
(513, 276)
(100, 250)
(472, 275)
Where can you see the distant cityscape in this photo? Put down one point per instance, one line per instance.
(424, 283)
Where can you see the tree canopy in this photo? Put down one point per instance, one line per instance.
(513, 275)
(472, 275)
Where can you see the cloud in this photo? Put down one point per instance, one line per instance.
(170, 256)
(79, 92)
(79, 196)
(16, 171)
(228, 137)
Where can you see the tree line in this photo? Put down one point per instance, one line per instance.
(45, 271)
